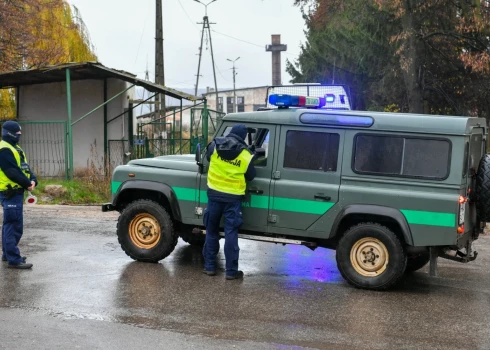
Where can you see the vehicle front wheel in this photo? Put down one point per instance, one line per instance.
(145, 231)
(371, 256)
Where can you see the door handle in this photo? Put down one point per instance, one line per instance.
(321, 196)
(255, 191)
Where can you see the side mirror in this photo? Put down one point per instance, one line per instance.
(198, 154)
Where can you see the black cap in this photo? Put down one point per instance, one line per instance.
(11, 126)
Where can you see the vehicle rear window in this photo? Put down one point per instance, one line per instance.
(311, 150)
(402, 156)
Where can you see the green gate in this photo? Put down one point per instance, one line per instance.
(45, 144)
(203, 126)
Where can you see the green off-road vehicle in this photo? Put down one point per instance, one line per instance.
(388, 191)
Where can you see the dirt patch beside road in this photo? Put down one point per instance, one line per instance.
(92, 212)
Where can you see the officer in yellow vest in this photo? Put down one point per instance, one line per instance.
(229, 168)
(15, 177)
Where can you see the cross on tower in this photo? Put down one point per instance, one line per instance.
(276, 48)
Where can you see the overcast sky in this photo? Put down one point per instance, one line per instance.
(123, 33)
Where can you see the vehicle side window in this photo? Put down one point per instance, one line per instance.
(402, 156)
(309, 150)
(260, 139)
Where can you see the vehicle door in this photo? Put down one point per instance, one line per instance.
(306, 178)
(475, 149)
(255, 205)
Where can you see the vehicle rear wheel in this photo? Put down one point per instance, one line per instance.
(371, 256)
(482, 190)
(417, 261)
(145, 231)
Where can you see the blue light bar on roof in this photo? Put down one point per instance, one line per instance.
(340, 120)
(285, 101)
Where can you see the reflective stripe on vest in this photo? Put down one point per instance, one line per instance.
(4, 180)
(228, 176)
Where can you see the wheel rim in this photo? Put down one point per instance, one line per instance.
(144, 231)
(369, 257)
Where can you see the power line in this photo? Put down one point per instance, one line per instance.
(141, 38)
(248, 42)
(244, 41)
(193, 24)
(221, 73)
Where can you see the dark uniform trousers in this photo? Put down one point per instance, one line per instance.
(232, 220)
(12, 228)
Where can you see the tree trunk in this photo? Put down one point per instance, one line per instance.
(410, 61)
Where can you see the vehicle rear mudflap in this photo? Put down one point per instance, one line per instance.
(460, 254)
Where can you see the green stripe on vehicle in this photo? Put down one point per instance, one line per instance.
(262, 202)
(429, 218)
(414, 217)
(301, 205)
(115, 186)
(185, 194)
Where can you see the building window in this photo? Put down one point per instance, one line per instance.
(229, 105)
(402, 156)
(311, 150)
(220, 104)
(240, 104)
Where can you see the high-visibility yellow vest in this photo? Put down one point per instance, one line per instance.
(228, 176)
(4, 180)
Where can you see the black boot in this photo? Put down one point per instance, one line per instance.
(21, 266)
(24, 259)
(238, 275)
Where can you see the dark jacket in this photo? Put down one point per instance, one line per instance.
(229, 148)
(9, 166)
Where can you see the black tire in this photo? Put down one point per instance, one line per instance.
(482, 189)
(388, 257)
(134, 244)
(193, 239)
(417, 261)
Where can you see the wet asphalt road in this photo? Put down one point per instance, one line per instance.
(84, 292)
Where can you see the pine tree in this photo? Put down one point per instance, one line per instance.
(429, 56)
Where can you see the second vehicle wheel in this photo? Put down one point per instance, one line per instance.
(417, 261)
(145, 231)
(193, 239)
(371, 256)
(482, 190)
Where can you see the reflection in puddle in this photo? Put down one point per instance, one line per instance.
(318, 265)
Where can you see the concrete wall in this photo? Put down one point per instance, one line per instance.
(252, 96)
(48, 102)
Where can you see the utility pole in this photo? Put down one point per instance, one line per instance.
(234, 87)
(159, 66)
(206, 26)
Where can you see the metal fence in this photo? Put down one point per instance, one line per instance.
(161, 147)
(202, 129)
(119, 153)
(44, 143)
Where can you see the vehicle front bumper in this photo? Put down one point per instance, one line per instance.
(108, 207)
